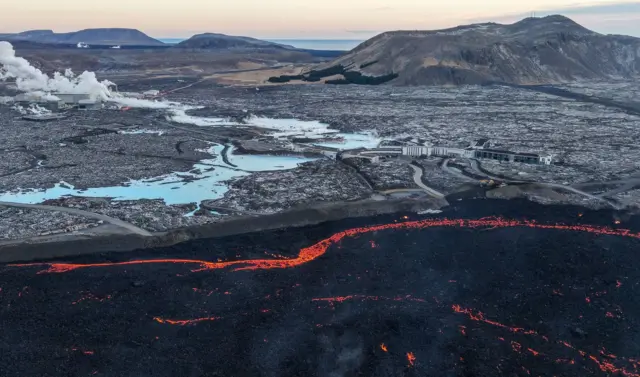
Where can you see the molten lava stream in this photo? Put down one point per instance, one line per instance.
(185, 322)
(311, 253)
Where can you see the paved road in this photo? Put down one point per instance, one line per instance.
(633, 179)
(395, 191)
(456, 172)
(180, 88)
(630, 185)
(476, 169)
(417, 178)
(130, 227)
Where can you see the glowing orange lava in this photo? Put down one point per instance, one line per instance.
(480, 318)
(184, 322)
(411, 358)
(311, 253)
(88, 296)
(383, 347)
(602, 359)
(604, 365)
(367, 298)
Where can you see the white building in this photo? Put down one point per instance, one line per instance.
(546, 160)
(477, 149)
(416, 151)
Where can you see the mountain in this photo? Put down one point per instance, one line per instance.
(114, 36)
(532, 51)
(222, 41)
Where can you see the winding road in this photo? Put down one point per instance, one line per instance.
(130, 227)
(417, 178)
(456, 172)
(476, 169)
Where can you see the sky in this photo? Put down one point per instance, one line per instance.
(304, 19)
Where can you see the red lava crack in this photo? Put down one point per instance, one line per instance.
(311, 253)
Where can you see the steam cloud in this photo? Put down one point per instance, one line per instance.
(30, 79)
(33, 81)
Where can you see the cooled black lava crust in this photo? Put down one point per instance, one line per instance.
(433, 301)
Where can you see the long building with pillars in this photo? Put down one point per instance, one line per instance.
(477, 150)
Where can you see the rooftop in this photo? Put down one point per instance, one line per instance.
(511, 153)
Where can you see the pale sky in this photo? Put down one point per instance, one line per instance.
(343, 19)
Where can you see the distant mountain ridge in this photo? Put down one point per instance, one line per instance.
(108, 36)
(531, 51)
(223, 41)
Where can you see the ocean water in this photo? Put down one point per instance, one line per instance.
(309, 44)
(171, 40)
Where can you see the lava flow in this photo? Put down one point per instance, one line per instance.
(480, 318)
(411, 358)
(332, 300)
(601, 361)
(311, 253)
(184, 322)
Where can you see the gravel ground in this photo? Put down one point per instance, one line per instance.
(387, 174)
(18, 223)
(151, 215)
(318, 181)
(438, 179)
(591, 142)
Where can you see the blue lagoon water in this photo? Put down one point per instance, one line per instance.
(208, 182)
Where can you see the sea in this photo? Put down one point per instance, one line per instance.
(309, 44)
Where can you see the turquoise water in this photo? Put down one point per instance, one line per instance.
(209, 182)
(353, 141)
(256, 163)
(288, 128)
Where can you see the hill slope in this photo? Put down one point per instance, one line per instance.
(114, 36)
(222, 41)
(531, 51)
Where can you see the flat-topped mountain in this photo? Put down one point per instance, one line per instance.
(110, 36)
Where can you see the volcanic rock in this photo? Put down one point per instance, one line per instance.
(532, 51)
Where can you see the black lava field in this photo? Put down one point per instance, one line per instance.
(486, 288)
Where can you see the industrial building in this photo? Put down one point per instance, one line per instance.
(47, 102)
(88, 104)
(82, 101)
(493, 154)
(477, 149)
(58, 101)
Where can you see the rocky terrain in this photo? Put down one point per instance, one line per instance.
(314, 182)
(16, 223)
(164, 62)
(385, 175)
(551, 49)
(151, 215)
(107, 152)
(485, 288)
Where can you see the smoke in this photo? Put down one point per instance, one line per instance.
(37, 84)
(30, 79)
(31, 110)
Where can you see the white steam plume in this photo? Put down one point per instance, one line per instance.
(29, 79)
(39, 85)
